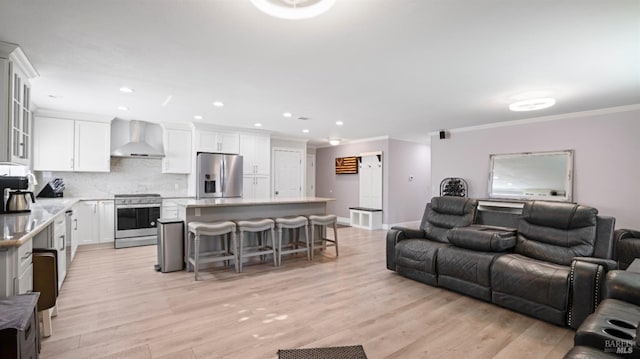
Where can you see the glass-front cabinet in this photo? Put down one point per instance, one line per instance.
(20, 117)
(15, 94)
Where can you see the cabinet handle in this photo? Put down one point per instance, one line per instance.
(75, 224)
(26, 255)
(62, 241)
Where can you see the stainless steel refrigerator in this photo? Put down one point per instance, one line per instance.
(218, 175)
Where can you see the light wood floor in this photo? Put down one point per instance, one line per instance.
(113, 304)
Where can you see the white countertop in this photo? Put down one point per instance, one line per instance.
(235, 202)
(16, 228)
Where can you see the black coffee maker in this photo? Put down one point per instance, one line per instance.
(11, 183)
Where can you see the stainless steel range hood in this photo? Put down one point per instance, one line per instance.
(136, 144)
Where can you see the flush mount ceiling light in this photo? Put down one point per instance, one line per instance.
(532, 104)
(218, 104)
(287, 114)
(257, 124)
(126, 89)
(339, 123)
(123, 108)
(305, 131)
(293, 9)
(198, 117)
(334, 141)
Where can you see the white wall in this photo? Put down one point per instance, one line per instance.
(606, 166)
(402, 200)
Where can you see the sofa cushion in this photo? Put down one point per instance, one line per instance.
(556, 232)
(444, 213)
(483, 238)
(416, 259)
(533, 280)
(465, 271)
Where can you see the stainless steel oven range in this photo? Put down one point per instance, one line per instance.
(136, 219)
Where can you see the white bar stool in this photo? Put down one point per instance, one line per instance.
(259, 226)
(216, 230)
(299, 222)
(323, 221)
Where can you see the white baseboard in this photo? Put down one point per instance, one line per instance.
(344, 221)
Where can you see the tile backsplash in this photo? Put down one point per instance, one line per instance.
(127, 176)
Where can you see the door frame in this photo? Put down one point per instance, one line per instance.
(311, 156)
(303, 168)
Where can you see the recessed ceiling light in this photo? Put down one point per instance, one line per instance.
(532, 104)
(257, 124)
(287, 114)
(334, 141)
(218, 104)
(293, 9)
(198, 117)
(126, 89)
(305, 131)
(123, 108)
(339, 123)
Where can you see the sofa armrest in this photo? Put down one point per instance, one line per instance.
(586, 283)
(608, 264)
(395, 235)
(623, 285)
(626, 233)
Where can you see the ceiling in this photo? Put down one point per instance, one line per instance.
(398, 68)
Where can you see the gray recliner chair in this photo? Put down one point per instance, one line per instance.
(412, 253)
(627, 247)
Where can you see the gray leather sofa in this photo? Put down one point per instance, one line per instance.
(612, 331)
(551, 269)
(627, 247)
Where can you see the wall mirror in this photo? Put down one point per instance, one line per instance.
(532, 175)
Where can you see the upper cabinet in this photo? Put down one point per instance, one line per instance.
(15, 104)
(217, 141)
(62, 144)
(177, 151)
(256, 152)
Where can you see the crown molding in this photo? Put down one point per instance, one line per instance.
(564, 116)
(22, 61)
(43, 112)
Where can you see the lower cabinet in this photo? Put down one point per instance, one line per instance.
(86, 223)
(93, 222)
(106, 212)
(16, 269)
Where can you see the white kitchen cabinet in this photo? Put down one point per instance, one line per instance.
(71, 145)
(255, 187)
(15, 104)
(177, 151)
(169, 209)
(256, 152)
(16, 269)
(92, 152)
(54, 140)
(106, 214)
(86, 223)
(217, 141)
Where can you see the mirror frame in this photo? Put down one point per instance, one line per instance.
(568, 197)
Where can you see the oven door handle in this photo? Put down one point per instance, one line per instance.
(148, 205)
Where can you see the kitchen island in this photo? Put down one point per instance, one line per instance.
(229, 209)
(224, 209)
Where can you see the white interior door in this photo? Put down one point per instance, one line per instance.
(287, 167)
(311, 176)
